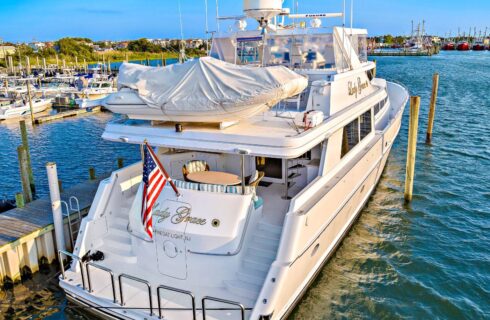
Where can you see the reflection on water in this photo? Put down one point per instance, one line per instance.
(426, 260)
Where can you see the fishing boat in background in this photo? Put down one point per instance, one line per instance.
(463, 46)
(449, 46)
(258, 202)
(478, 46)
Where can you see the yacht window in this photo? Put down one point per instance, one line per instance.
(249, 50)
(313, 51)
(365, 124)
(106, 85)
(350, 137)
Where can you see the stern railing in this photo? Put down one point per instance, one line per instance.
(88, 265)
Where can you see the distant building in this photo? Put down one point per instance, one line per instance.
(6, 50)
(161, 42)
(36, 46)
(194, 43)
(122, 45)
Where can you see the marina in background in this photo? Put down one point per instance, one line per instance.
(34, 97)
(383, 264)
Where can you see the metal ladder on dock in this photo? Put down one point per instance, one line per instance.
(68, 209)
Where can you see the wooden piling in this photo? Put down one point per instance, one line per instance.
(24, 175)
(11, 64)
(19, 200)
(29, 96)
(28, 65)
(91, 173)
(412, 146)
(432, 110)
(375, 67)
(120, 163)
(25, 144)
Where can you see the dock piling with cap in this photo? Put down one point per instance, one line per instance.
(91, 173)
(412, 146)
(432, 110)
(54, 195)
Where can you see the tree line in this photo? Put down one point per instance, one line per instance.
(84, 49)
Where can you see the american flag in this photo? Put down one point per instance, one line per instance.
(154, 179)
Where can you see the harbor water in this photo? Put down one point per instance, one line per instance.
(429, 259)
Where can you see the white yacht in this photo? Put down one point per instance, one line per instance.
(264, 198)
(21, 108)
(97, 89)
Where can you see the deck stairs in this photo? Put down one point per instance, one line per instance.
(256, 262)
(117, 242)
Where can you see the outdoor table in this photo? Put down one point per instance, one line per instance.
(214, 177)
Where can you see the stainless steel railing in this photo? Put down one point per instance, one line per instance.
(190, 294)
(148, 285)
(111, 273)
(239, 305)
(74, 257)
(159, 290)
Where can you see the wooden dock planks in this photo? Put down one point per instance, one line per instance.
(26, 234)
(66, 114)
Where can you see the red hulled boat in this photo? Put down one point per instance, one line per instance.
(449, 46)
(463, 46)
(478, 46)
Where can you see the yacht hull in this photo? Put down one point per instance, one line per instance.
(16, 112)
(301, 272)
(300, 260)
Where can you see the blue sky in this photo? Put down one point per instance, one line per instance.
(25, 20)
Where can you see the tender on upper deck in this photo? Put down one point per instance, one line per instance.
(271, 134)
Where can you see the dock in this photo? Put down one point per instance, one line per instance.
(404, 53)
(66, 114)
(399, 54)
(27, 234)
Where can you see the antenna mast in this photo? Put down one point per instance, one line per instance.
(182, 43)
(207, 27)
(217, 16)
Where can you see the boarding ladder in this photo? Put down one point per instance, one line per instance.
(69, 209)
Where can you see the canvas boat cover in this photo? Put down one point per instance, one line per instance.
(209, 86)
